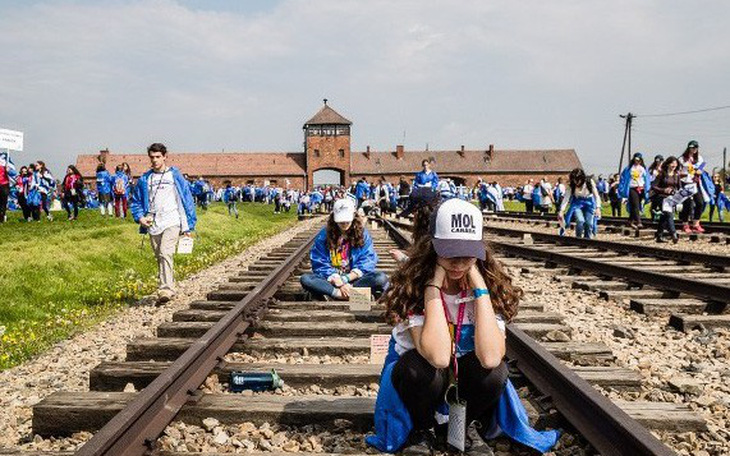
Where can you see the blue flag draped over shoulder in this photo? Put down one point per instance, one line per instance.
(393, 423)
(7, 163)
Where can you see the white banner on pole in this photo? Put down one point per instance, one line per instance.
(11, 139)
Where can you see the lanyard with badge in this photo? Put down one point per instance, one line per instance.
(153, 199)
(456, 435)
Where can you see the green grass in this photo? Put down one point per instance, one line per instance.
(517, 206)
(61, 277)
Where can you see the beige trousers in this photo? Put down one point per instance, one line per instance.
(164, 245)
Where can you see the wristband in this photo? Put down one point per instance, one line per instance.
(345, 278)
(480, 292)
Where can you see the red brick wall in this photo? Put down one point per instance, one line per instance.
(505, 180)
(329, 155)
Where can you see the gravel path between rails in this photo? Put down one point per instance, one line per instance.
(683, 245)
(66, 366)
(697, 362)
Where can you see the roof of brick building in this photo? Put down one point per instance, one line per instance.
(468, 161)
(209, 164)
(327, 116)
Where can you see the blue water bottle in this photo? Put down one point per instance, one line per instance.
(255, 381)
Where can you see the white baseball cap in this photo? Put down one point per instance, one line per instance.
(344, 210)
(456, 229)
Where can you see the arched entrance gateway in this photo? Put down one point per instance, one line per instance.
(328, 176)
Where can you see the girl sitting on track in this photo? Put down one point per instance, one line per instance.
(439, 296)
(343, 256)
(663, 187)
(584, 201)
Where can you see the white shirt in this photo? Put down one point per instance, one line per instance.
(402, 335)
(581, 192)
(164, 205)
(527, 191)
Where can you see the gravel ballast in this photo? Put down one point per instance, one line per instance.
(691, 368)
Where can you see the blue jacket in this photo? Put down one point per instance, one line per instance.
(364, 258)
(119, 175)
(362, 190)
(103, 182)
(230, 194)
(393, 423)
(625, 181)
(139, 205)
(425, 180)
(707, 185)
(537, 195)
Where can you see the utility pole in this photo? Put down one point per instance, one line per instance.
(724, 165)
(627, 139)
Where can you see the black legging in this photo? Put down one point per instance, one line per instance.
(616, 208)
(635, 205)
(692, 208)
(23, 206)
(421, 386)
(72, 201)
(4, 193)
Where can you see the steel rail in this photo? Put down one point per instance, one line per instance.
(609, 429)
(134, 429)
(716, 261)
(677, 284)
(712, 227)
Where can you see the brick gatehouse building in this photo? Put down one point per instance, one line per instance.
(328, 159)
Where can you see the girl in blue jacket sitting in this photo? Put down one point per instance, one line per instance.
(343, 256)
(449, 303)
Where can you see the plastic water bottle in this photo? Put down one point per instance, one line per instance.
(255, 381)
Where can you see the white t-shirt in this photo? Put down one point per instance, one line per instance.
(404, 341)
(637, 176)
(164, 207)
(527, 191)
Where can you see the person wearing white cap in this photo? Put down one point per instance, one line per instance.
(343, 256)
(449, 302)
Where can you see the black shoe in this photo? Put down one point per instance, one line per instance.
(659, 239)
(475, 445)
(675, 238)
(420, 443)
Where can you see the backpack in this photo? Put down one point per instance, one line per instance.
(119, 187)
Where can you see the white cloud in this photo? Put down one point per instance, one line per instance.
(517, 74)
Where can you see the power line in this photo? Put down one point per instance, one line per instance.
(681, 113)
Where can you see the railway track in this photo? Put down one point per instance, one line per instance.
(692, 288)
(263, 314)
(715, 232)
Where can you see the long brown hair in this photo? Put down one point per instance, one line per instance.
(354, 235)
(406, 293)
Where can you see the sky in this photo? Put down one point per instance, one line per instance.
(210, 76)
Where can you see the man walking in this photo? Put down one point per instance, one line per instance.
(163, 206)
